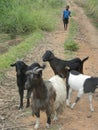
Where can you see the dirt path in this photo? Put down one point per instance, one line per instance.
(78, 119)
(87, 39)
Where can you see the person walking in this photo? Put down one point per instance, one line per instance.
(66, 15)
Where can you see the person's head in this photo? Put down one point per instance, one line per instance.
(67, 7)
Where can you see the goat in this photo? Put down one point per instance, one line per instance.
(21, 69)
(58, 65)
(81, 83)
(48, 96)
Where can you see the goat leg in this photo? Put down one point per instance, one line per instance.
(21, 93)
(55, 118)
(73, 105)
(68, 95)
(80, 93)
(28, 98)
(28, 103)
(48, 119)
(37, 120)
(90, 100)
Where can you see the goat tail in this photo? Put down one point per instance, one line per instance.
(85, 59)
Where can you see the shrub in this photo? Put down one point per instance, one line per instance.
(71, 45)
(24, 16)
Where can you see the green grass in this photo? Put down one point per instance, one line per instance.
(21, 19)
(91, 9)
(55, 127)
(70, 44)
(20, 50)
(22, 16)
(4, 37)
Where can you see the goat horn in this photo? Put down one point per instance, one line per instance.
(28, 72)
(35, 71)
(39, 69)
(35, 68)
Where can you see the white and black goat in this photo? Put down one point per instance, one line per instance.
(21, 69)
(48, 96)
(58, 65)
(81, 83)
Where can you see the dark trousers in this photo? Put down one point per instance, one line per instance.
(65, 22)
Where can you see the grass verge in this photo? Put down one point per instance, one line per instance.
(18, 51)
(91, 10)
(70, 44)
(45, 20)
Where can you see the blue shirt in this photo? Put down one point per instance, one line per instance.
(66, 13)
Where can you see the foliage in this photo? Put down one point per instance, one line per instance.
(24, 16)
(70, 43)
(91, 9)
(19, 50)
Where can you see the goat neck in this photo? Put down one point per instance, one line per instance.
(40, 91)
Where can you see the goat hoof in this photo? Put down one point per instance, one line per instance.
(20, 107)
(92, 110)
(67, 103)
(72, 106)
(36, 126)
(47, 125)
(55, 119)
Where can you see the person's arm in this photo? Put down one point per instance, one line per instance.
(70, 13)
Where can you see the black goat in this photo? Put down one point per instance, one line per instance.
(59, 65)
(21, 69)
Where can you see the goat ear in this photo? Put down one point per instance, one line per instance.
(17, 59)
(22, 59)
(67, 67)
(13, 64)
(44, 66)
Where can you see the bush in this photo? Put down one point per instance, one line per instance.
(71, 45)
(24, 16)
(91, 7)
